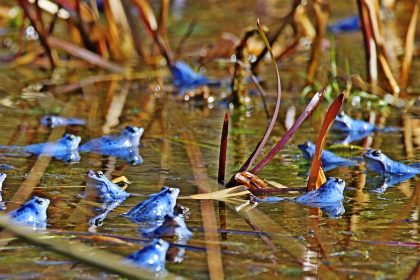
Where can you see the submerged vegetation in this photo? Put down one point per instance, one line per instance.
(217, 187)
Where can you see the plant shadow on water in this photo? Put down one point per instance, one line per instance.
(372, 233)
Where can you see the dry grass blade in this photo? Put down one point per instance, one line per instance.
(84, 54)
(261, 145)
(312, 105)
(150, 22)
(377, 35)
(409, 47)
(77, 251)
(220, 195)
(370, 45)
(316, 175)
(321, 13)
(223, 150)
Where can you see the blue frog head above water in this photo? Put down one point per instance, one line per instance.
(32, 213)
(329, 193)
(152, 257)
(379, 162)
(133, 134)
(156, 207)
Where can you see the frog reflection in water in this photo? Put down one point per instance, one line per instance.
(110, 194)
(329, 159)
(329, 197)
(174, 227)
(33, 213)
(123, 146)
(63, 149)
(379, 162)
(2, 178)
(152, 257)
(156, 207)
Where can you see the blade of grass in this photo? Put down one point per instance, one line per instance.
(310, 108)
(149, 20)
(316, 175)
(84, 54)
(77, 251)
(285, 22)
(221, 194)
(261, 144)
(223, 150)
(321, 15)
(409, 47)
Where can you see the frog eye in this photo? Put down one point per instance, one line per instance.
(338, 180)
(377, 153)
(39, 201)
(341, 114)
(99, 173)
(131, 129)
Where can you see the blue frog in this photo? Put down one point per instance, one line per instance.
(54, 121)
(98, 185)
(348, 24)
(344, 123)
(185, 78)
(2, 178)
(128, 138)
(156, 207)
(379, 162)
(172, 226)
(33, 213)
(329, 198)
(110, 195)
(329, 159)
(152, 257)
(63, 149)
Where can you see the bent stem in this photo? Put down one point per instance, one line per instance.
(316, 175)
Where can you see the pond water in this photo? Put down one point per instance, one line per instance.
(377, 236)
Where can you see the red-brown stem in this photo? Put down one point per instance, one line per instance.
(223, 150)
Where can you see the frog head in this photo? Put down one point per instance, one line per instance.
(308, 149)
(71, 141)
(2, 178)
(336, 184)
(342, 122)
(170, 193)
(133, 134)
(376, 160)
(93, 179)
(38, 204)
